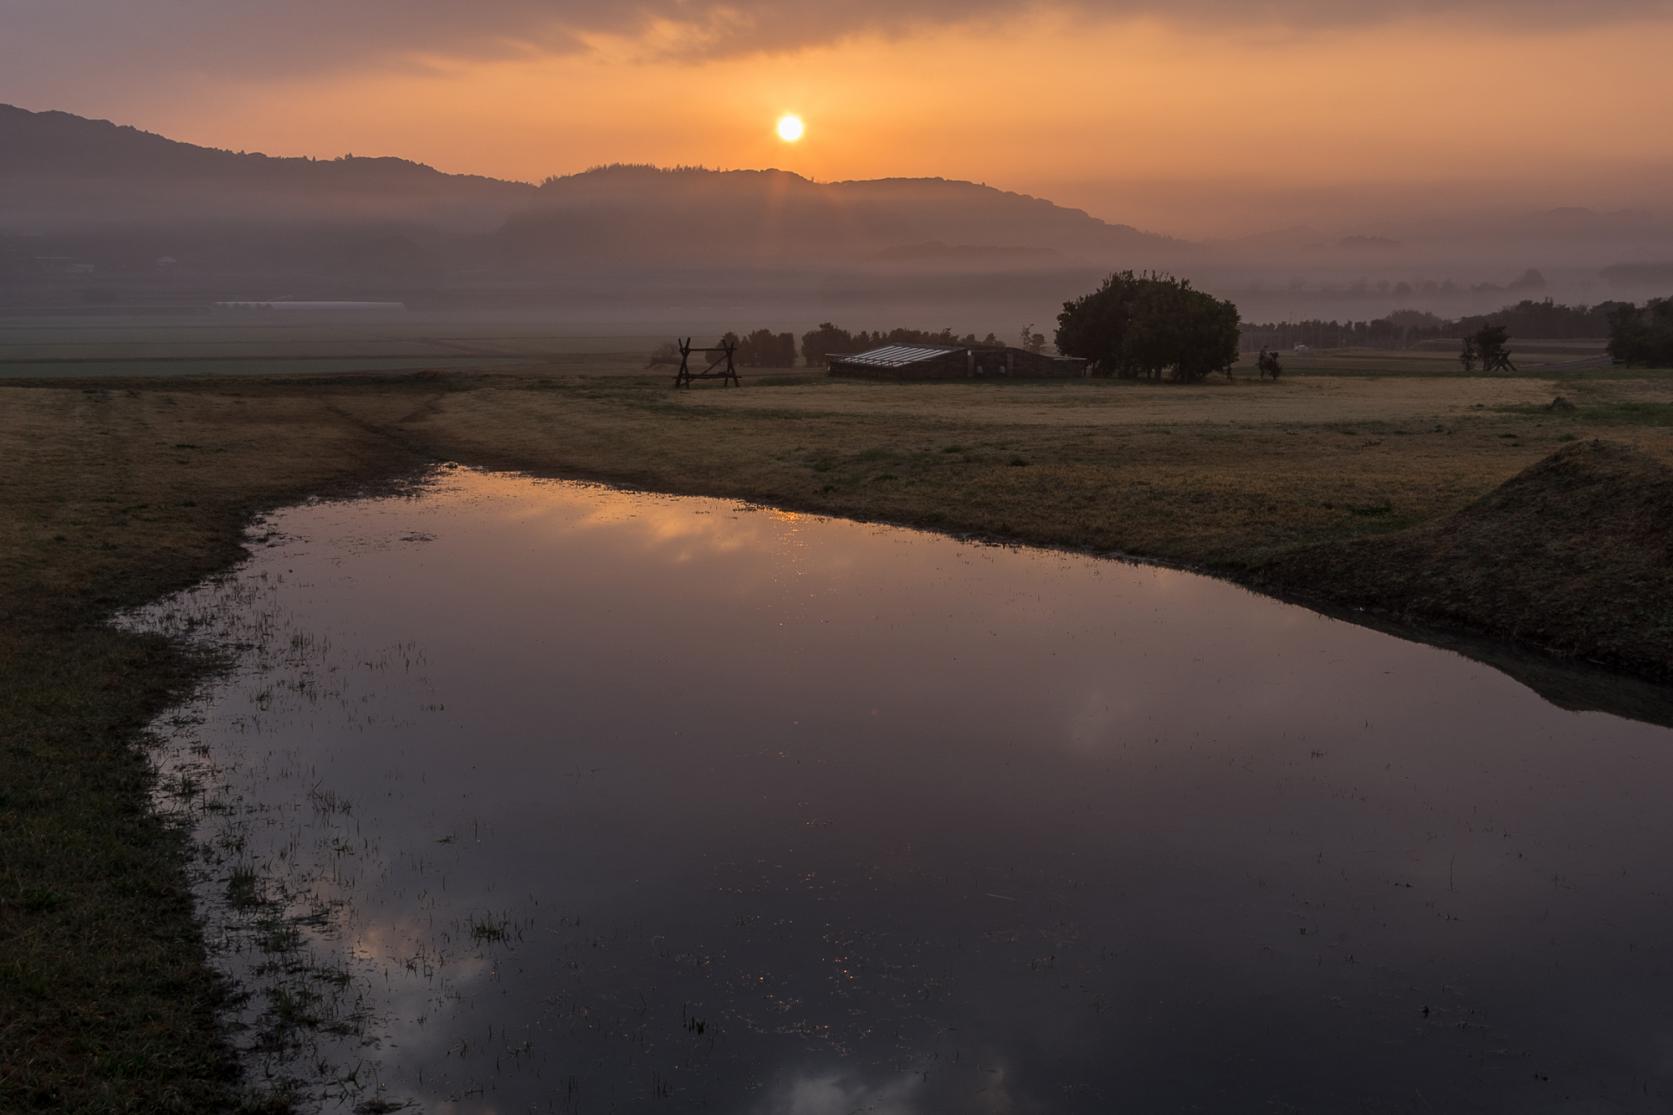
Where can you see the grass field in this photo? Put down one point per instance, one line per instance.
(116, 491)
(1219, 474)
(227, 343)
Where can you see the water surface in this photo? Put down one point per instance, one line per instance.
(605, 801)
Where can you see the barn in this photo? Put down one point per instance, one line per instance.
(935, 361)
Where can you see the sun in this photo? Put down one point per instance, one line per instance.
(790, 127)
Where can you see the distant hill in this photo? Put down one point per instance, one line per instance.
(62, 172)
(1655, 277)
(774, 217)
(95, 213)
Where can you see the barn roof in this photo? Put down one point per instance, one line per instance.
(896, 356)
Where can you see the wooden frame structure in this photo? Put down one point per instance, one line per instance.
(727, 375)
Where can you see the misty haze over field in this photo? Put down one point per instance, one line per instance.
(96, 215)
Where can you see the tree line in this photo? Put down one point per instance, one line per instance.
(1133, 326)
(764, 348)
(1149, 326)
(761, 349)
(1642, 335)
(1545, 319)
(828, 340)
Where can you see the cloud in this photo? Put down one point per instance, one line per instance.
(164, 40)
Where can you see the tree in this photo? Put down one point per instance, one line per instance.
(1491, 343)
(1642, 336)
(818, 345)
(1032, 341)
(1136, 326)
(765, 349)
(760, 350)
(1470, 354)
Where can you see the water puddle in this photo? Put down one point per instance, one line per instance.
(580, 800)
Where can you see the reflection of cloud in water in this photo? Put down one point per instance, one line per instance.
(836, 1094)
(989, 1092)
(1093, 722)
(679, 530)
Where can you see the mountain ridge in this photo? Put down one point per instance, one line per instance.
(62, 170)
(95, 210)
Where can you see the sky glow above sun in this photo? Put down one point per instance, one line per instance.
(1265, 116)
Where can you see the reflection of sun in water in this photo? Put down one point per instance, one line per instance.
(790, 127)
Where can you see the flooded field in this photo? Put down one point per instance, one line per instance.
(537, 796)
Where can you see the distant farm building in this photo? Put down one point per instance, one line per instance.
(928, 361)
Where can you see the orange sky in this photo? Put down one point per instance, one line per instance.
(1193, 128)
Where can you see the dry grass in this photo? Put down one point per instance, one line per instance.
(1301, 400)
(1220, 476)
(116, 493)
(110, 498)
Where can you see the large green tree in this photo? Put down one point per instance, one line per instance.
(1145, 326)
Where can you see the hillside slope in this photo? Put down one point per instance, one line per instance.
(61, 172)
(1574, 554)
(774, 216)
(95, 213)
